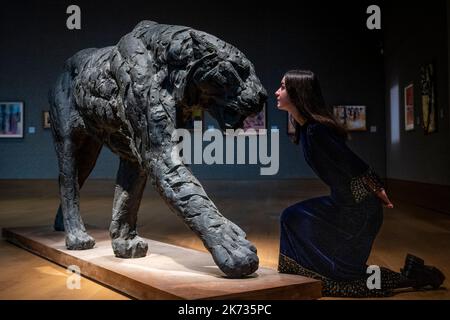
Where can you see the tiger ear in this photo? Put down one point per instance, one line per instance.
(200, 46)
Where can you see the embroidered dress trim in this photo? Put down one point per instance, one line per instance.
(364, 185)
(353, 288)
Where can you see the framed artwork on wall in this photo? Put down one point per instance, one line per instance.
(293, 129)
(187, 117)
(257, 122)
(290, 125)
(46, 120)
(428, 90)
(409, 107)
(353, 118)
(11, 120)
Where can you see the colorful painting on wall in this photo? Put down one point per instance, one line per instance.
(409, 107)
(353, 118)
(428, 88)
(257, 123)
(11, 120)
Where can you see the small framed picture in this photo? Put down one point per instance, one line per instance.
(290, 125)
(11, 120)
(353, 118)
(257, 123)
(409, 107)
(187, 117)
(429, 101)
(46, 120)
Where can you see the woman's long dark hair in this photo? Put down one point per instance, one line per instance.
(305, 94)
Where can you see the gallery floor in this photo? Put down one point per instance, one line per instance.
(255, 206)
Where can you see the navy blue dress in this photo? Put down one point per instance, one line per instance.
(333, 235)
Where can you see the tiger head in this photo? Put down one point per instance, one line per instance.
(222, 81)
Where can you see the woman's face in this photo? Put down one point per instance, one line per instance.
(283, 101)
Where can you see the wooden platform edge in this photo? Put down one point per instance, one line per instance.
(140, 290)
(103, 277)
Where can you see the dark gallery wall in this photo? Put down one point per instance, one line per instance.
(330, 39)
(417, 165)
(417, 34)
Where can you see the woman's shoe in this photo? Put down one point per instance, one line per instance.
(421, 274)
(411, 263)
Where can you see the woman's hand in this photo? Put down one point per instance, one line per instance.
(384, 199)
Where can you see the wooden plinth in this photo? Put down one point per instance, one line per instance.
(167, 272)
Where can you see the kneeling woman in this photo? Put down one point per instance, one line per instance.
(330, 238)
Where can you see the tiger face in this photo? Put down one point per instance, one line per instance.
(224, 83)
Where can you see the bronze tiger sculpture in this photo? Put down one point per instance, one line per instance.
(127, 97)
